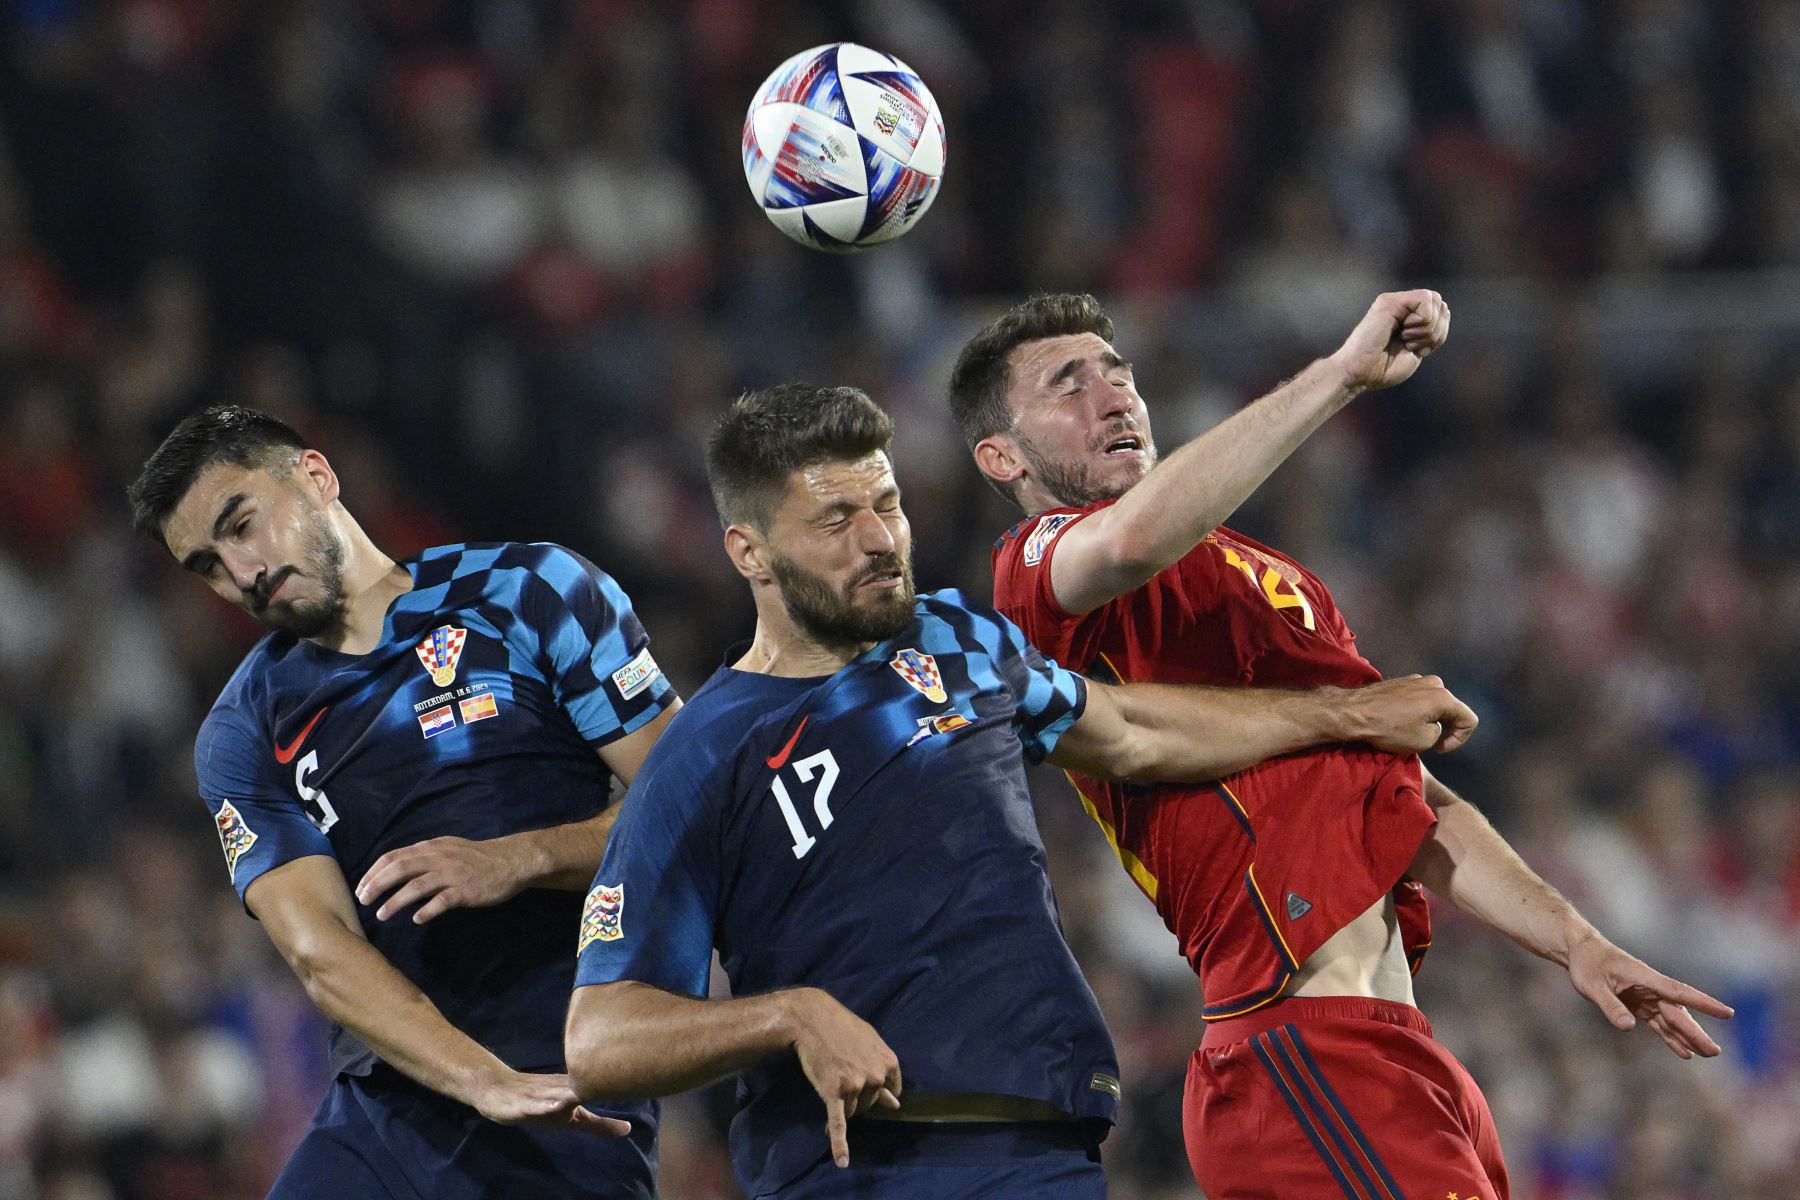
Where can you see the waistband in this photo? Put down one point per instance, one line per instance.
(1314, 1008)
(968, 1108)
(901, 1141)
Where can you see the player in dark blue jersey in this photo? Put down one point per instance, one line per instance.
(843, 814)
(438, 732)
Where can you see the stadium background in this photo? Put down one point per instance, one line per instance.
(497, 257)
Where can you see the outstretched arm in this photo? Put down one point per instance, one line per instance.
(453, 872)
(1150, 732)
(631, 1039)
(306, 909)
(1121, 547)
(1468, 863)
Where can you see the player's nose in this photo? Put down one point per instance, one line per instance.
(872, 533)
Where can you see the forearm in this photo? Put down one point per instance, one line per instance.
(1168, 733)
(1468, 863)
(631, 1039)
(1200, 485)
(350, 981)
(564, 857)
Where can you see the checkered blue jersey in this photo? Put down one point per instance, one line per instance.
(869, 833)
(478, 715)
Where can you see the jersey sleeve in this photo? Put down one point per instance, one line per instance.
(1022, 587)
(592, 648)
(260, 822)
(650, 915)
(1047, 697)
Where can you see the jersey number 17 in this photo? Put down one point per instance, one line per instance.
(824, 768)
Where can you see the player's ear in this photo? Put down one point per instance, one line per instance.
(315, 474)
(999, 458)
(749, 552)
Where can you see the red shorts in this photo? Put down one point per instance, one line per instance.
(1320, 1098)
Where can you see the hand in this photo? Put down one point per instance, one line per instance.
(845, 1060)
(1409, 715)
(1628, 991)
(445, 872)
(547, 1101)
(1393, 338)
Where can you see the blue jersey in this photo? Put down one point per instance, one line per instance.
(869, 833)
(478, 715)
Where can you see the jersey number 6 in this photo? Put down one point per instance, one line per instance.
(825, 767)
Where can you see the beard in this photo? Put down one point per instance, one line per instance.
(322, 559)
(1073, 485)
(836, 617)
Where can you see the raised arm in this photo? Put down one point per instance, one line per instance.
(1120, 548)
(1467, 862)
(306, 909)
(631, 1039)
(1149, 733)
(452, 872)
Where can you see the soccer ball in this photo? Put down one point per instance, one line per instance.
(843, 147)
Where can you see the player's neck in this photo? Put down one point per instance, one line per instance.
(371, 582)
(781, 648)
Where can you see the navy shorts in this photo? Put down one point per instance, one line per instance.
(906, 1160)
(382, 1135)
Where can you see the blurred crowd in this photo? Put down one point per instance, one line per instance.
(497, 258)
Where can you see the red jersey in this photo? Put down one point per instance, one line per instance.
(1254, 872)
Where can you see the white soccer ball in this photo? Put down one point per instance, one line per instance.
(843, 147)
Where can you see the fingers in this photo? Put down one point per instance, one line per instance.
(1424, 323)
(1681, 1033)
(887, 1099)
(1610, 1006)
(413, 891)
(836, 1128)
(437, 906)
(1458, 724)
(387, 873)
(599, 1126)
(1679, 993)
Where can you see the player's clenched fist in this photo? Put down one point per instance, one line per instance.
(1409, 715)
(1393, 338)
(845, 1060)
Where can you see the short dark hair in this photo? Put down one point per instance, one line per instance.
(224, 433)
(770, 433)
(982, 375)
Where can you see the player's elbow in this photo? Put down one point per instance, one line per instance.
(593, 1050)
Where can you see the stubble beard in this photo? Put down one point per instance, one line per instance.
(1074, 485)
(835, 618)
(322, 561)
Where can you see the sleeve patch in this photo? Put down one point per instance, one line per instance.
(1044, 534)
(603, 917)
(636, 675)
(235, 837)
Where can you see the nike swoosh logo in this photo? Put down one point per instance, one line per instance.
(779, 759)
(286, 756)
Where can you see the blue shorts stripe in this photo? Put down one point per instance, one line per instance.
(1312, 1101)
(1300, 1119)
(1393, 1189)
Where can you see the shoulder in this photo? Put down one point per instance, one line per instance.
(699, 751)
(948, 619)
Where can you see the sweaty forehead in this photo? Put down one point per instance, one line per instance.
(840, 481)
(1034, 363)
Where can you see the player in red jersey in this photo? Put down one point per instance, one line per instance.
(1291, 886)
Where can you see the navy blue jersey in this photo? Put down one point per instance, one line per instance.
(478, 715)
(870, 833)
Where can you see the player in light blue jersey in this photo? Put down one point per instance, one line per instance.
(842, 813)
(436, 734)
